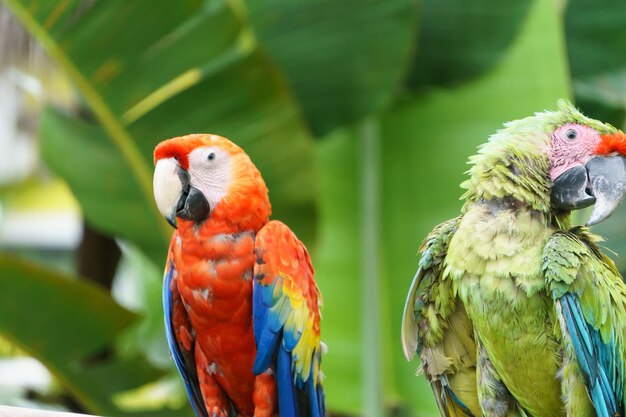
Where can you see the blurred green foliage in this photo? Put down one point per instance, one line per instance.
(360, 115)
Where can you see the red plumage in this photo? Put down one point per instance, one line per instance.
(212, 265)
(219, 308)
(614, 142)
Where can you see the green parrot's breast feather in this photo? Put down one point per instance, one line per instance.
(495, 260)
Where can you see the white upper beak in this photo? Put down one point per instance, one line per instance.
(167, 187)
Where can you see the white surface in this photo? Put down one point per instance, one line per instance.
(27, 412)
(17, 149)
(42, 230)
(20, 374)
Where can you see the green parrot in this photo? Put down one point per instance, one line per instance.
(513, 311)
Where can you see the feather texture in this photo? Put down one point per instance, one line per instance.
(183, 356)
(286, 312)
(436, 327)
(590, 299)
(214, 307)
(547, 308)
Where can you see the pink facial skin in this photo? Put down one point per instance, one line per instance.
(572, 145)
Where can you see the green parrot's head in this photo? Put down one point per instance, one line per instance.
(559, 160)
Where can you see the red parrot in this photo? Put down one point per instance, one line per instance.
(242, 310)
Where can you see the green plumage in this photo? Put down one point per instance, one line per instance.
(484, 311)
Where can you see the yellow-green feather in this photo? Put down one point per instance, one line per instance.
(495, 261)
(485, 272)
(436, 327)
(574, 264)
(495, 257)
(514, 162)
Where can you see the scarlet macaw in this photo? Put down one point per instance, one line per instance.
(242, 310)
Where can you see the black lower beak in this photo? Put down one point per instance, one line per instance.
(601, 181)
(193, 205)
(570, 190)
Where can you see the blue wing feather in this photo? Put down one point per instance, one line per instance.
(291, 339)
(597, 359)
(266, 339)
(189, 375)
(278, 327)
(287, 401)
(269, 334)
(321, 400)
(259, 313)
(313, 399)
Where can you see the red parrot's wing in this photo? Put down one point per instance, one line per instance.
(286, 307)
(179, 339)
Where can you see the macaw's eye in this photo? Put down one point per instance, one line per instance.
(571, 134)
(211, 156)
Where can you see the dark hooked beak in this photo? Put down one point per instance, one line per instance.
(601, 181)
(192, 204)
(174, 195)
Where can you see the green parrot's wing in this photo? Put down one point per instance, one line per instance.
(435, 326)
(590, 300)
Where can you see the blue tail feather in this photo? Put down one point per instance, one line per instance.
(321, 399)
(596, 359)
(287, 401)
(312, 396)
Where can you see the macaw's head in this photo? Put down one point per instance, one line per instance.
(553, 161)
(207, 178)
(588, 167)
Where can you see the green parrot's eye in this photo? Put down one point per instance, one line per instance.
(211, 156)
(571, 134)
